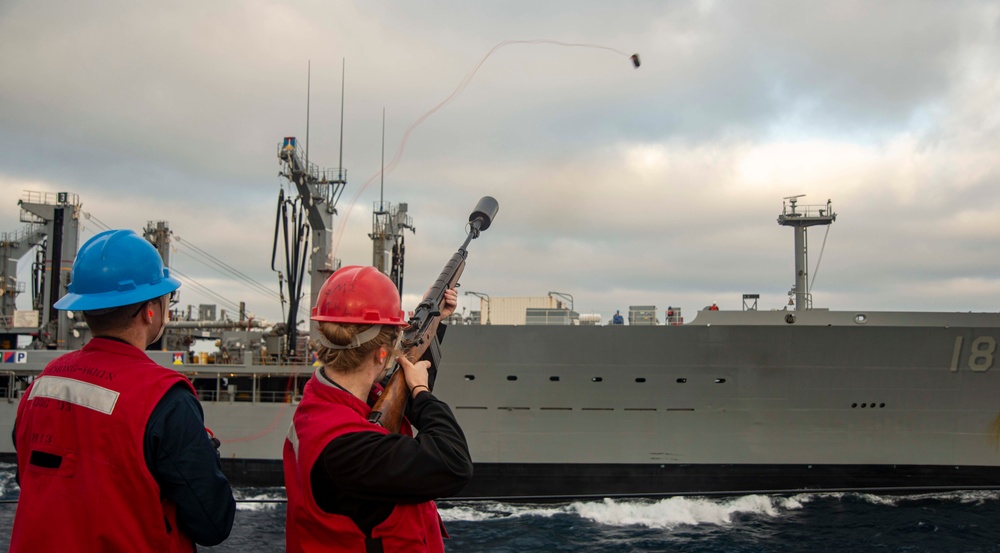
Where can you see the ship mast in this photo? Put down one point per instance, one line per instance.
(318, 192)
(801, 217)
(388, 224)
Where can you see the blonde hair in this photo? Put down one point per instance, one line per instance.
(349, 360)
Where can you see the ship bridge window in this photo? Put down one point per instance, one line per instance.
(470, 377)
(597, 379)
(511, 377)
(640, 380)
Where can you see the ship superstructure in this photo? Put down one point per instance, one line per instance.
(51, 232)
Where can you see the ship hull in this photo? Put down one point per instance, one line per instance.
(736, 403)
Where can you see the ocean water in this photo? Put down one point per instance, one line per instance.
(942, 522)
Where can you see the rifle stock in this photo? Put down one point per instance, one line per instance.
(423, 325)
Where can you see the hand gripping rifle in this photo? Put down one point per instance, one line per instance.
(422, 332)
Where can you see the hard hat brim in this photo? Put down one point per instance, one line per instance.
(106, 300)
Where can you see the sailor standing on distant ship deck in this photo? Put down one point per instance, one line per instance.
(351, 485)
(112, 452)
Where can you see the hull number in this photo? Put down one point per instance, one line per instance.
(980, 353)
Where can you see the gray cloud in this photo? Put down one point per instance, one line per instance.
(620, 186)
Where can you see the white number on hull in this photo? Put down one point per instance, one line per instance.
(980, 353)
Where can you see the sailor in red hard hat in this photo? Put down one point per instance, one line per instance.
(352, 485)
(112, 453)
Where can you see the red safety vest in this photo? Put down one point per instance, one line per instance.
(85, 485)
(325, 413)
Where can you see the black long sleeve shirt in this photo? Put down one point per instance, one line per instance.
(363, 475)
(186, 466)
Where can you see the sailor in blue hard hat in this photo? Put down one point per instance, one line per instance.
(118, 268)
(121, 435)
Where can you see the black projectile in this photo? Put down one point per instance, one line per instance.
(635, 60)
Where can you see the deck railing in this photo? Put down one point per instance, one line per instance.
(52, 198)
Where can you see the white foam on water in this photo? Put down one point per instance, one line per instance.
(463, 514)
(481, 511)
(664, 513)
(259, 499)
(884, 500)
(677, 511)
(8, 484)
(794, 502)
(977, 497)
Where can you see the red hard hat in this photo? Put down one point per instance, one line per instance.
(359, 295)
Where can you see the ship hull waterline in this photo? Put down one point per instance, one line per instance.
(729, 406)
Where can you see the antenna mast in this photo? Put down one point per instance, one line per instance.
(343, 78)
(388, 223)
(801, 217)
(313, 209)
(308, 93)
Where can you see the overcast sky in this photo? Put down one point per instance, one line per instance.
(619, 186)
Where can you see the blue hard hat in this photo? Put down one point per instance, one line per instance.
(116, 268)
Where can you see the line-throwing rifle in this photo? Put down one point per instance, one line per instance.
(421, 334)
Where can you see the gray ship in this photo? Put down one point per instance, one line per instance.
(731, 402)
